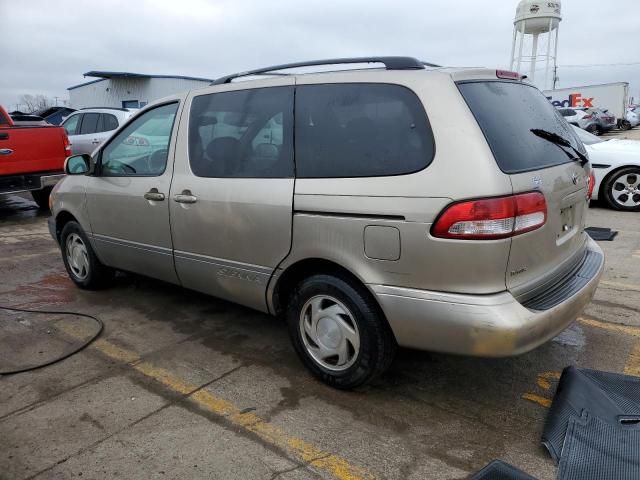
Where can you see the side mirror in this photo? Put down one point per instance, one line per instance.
(77, 164)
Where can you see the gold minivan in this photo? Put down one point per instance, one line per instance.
(408, 204)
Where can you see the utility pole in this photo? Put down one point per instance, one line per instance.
(56, 100)
(555, 76)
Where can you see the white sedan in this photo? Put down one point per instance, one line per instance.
(616, 166)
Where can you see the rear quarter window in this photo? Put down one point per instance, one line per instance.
(507, 112)
(360, 130)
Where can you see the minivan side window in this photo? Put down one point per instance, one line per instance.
(360, 130)
(242, 134)
(141, 149)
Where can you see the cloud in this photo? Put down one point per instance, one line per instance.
(48, 45)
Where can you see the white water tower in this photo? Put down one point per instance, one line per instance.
(536, 23)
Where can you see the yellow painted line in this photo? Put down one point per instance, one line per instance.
(632, 366)
(543, 401)
(543, 379)
(612, 327)
(304, 451)
(621, 286)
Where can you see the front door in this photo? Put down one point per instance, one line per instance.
(85, 140)
(232, 192)
(127, 199)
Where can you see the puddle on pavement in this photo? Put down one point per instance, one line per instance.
(17, 207)
(572, 336)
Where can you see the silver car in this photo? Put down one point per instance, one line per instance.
(371, 208)
(88, 128)
(579, 118)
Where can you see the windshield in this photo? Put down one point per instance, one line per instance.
(586, 137)
(508, 113)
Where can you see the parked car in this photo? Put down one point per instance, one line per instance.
(604, 121)
(89, 127)
(616, 167)
(579, 118)
(632, 116)
(25, 119)
(380, 226)
(54, 115)
(31, 158)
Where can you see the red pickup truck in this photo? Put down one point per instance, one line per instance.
(31, 158)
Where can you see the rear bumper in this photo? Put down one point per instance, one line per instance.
(495, 325)
(28, 182)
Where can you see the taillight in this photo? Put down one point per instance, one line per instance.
(508, 74)
(67, 145)
(492, 218)
(588, 117)
(591, 182)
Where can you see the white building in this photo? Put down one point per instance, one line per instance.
(129, 90)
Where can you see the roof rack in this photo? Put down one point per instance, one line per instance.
(106, 108)
(391, 63)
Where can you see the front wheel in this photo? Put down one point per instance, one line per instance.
(41, 197)
(80, 260)
(622, 189)
(339, 332)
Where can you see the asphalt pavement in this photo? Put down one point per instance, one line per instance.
(181, 385)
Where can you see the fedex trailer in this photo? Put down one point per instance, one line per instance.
(607, 96)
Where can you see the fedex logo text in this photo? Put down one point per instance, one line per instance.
(574, 100)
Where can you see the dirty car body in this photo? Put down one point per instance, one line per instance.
(386, 221)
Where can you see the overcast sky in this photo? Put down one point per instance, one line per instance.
(47, 45)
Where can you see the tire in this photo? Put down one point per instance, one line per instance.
(622, 189)
(593, 129)
(346, 303)
(83, 267)
(41, 197)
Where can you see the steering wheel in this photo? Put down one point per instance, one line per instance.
(157, 160)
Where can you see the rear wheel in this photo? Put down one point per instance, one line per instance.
(80, 260)
(339, 332)
(624, 125)
(622, 189)
(41, 197)
(593, 129)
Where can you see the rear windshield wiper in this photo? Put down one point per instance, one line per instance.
(561, 142)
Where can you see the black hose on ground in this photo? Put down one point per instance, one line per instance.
(65, 355)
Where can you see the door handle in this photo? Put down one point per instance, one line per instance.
(185, 197)
(154, 195)
(4, 136)
(5, 151)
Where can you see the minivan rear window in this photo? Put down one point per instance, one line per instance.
(507, 112)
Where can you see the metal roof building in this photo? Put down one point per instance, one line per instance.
(129, 90)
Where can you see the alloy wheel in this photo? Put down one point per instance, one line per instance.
(625, 190)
